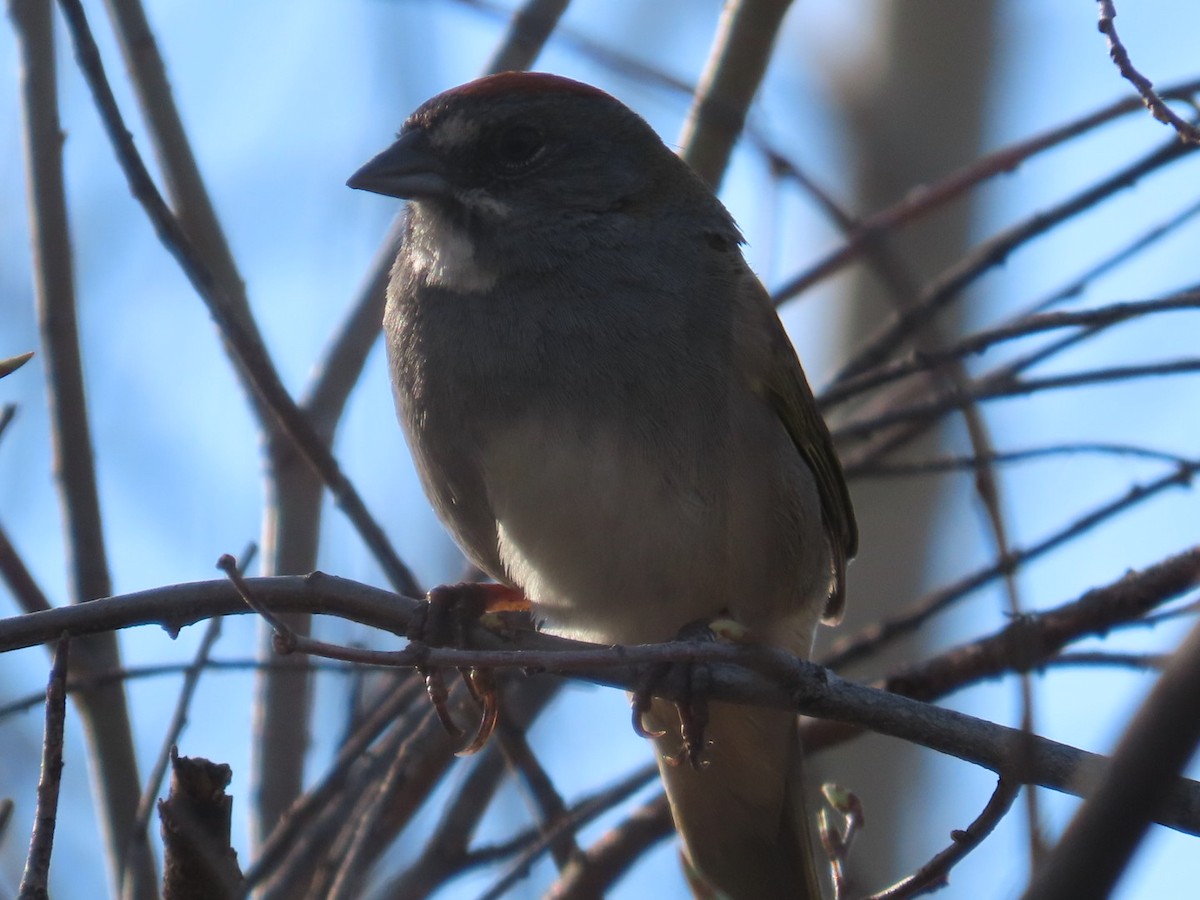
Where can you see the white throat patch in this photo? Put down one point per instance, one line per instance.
(444, 256)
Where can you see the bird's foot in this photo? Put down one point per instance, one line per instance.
(451, 608)
(692, 707)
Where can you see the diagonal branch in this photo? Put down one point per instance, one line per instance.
(251, 354)
(104, 711)
(1126, 795)
(736, 65)
(1145, 87)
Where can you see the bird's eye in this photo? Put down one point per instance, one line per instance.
(518, 145)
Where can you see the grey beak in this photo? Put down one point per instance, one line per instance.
(407, 169)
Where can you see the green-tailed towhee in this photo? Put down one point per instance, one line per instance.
(606, 413)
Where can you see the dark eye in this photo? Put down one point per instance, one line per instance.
(518, 145)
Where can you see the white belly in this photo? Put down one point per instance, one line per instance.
(616, 544)
(591, 530)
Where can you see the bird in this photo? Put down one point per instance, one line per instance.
(607, 415)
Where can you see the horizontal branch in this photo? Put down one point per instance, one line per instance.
(755, 675)
(1001, 385)
(918, 361)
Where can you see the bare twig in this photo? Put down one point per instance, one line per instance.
(941, 464)
(6, 811)
(950, 284)
(166, 751)
(8, 412)
(444, 854)
(1142, 661)
(1145, 88)
(1031, 642)
(1158, 743)
(1027, 643)
(315, 854)
(784, 679)
(250, 352)
(35, 880)
(856, 647)
(284, 636)
(548, 802)
(285, 840)
(920, 361)
(105, 713)
(354, 861)
(736, 64)
(134, 673)
(10, 364)
(928, 199)
(527, 34)
(594, 872)
(935, 874)
(1128, 251)
(1000, 384)
(18, 577)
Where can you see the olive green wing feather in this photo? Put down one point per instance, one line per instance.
(783, 385)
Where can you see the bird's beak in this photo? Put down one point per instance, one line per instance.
(407, 169)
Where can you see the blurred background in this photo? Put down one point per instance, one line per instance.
(871, 99)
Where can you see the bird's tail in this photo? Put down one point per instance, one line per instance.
(742, 815)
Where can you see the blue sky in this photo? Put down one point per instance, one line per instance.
(283, 102)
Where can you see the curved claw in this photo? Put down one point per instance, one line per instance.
(435, 686)
(640, 701)
(479, 682)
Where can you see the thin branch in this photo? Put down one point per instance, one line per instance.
(941, 464)
(935, 874)
(527, 34)
(444, 854)
(1076, 286)
(1030, 643)
(1123, 800)
(919, 203)
(354, 861)
(250, 352)
(134, 673)
(20, 580)
(1001, 379)
(1001, 384)
(8, 412)
(166, 753)
(755, 675)
(581, 813)
(736, 65)
(54, 281)
(1142, 661)
(602, 864)
(35, 880)
(950, 284)
(283, 840)
(105, 713)
(920, 361)
(548, 802)
(871, 639)
(534, 845)
(10, 364)
(6, 811)
(1158, 108)
(523, 700)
